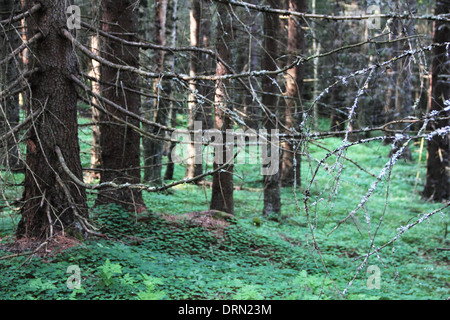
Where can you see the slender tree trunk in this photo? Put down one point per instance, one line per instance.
(53, 202)
(172, 14)
(272, 200)
(95, 86)
(338, 114)
(240, 57)
(316, 51)
(222, 187)
(206, 88)
(120, 146)
(399, 97)
(354, 122)
(291, 160)
(437, 186)
(159, 107)
(9, 106)
(251, 110)
(194, 168)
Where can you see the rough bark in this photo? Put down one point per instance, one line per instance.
(157, 109)
(251, 109)
(206, 88)
(193, 167)
(437, 186)
(222, 186)
(291, 160)
(272, 199)
(338, 114)
(9, 105)
(52, 201)
(399, 96)
(120, 146)
(171, 31)
(316, 51)
(95, 73)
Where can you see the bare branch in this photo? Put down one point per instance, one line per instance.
(142, 187)
(22, 47)
(19, 17)
(326, 17)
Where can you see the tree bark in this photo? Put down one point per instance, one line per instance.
(172, 14)
(272, 199)
(157, 109)
(53, 202)
(120, 147)
(338, 114)
(95, 73)
(251, 109)
(291, 160)
(399, 96)
(222, 186)
(206, 88)
(194, 168)
(315, 51)
(437, 186)
(9, 106)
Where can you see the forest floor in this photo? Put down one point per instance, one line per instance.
(180, 250)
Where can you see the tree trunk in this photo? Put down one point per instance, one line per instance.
(291, 160)
(272, 200)
(120, 146)
(53, 202)
(194, 168)
(172, 14)
(157, 110)
(95, 73)
(399, 97)
(9, 105)
(222, 187)
(338, 114)
(315, 51)
(437, 186)
(206, 88)
(251, 110)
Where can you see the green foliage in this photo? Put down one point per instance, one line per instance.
(311, 287)
(248, 292)
(108, 272)
(257, 221)
(255, 257)
(151, 292)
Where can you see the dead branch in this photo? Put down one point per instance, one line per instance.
(142, 187)
(15, 255)
(22, 47)
(402, 230)
(6, 92)
(110, 64)
(121, 109)
(14, 130)
(326, 17)
(25, 14)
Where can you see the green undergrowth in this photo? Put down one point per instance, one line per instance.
(155, 258)
(307, 252)
(160, 259)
